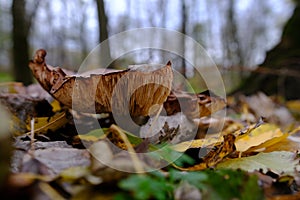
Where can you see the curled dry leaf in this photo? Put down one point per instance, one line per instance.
(140, 88)
(193, 105)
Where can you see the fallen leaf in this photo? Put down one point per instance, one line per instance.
(23, 108)
(93, 135)
(11, 87)
(144, 88)
(49, 191)
(216, 155)
(294, 107)
(198, 143)
(44, 124)
(279, 162)
(139, 87)
(5, 145)
(193, 105)
(172, 129)
(187, 191)
(258, 136)
(264, 106)
(68, 157)
(48, 158)
(108, 165)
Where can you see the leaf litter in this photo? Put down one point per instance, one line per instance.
(258, 142)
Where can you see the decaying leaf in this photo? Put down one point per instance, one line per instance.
(145, 86)
(142, 88)
(11, 87)
(262, 105)
(25, 106)
(216, 155)
(193, 105)
(197, 143)
(46, 157)
(107, 165)
(187, 191)
(172, 129)
(68, 157)
(279, 162)
(44, 124)
(5, 151)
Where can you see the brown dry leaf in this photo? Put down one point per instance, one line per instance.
(107, 164)
(54, 164)
(216, 155)
(23, 108)
(262, 105)
(187, 191)
(193, 105)
(172, 129)
(148, 86)
(48, 158)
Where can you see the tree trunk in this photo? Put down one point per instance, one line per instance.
(21, 27)
(183, 31)
(279, 74)
(105, 56)
(230, 39)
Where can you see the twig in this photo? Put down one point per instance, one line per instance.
(266, 70)
(32, 133)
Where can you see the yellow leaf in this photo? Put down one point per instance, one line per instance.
(294, 105)
(55, 106)
(43, 124)
(11, 87)
(94, 135)
(198, 143)
(216, 155)
(50, 191)
(258, 136)
(289, 143)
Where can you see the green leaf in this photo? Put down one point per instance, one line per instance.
(146, 187)
(232, 184)
(194, 178)
(280, 162)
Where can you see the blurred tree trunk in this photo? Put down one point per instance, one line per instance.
(105, 57)
(21, 27)
(280, 72)
(183, 31)
(83, 33)
(230, 38)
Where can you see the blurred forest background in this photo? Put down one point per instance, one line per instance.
(236, 34)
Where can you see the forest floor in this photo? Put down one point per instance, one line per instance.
(245, 149)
